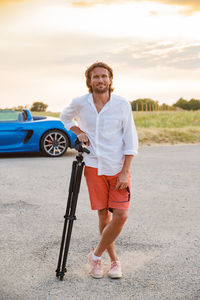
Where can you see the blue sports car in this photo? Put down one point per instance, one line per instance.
(22, 132)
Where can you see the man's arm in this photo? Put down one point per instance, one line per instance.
(81, 135)
(130, 139)
(122, 180)
(67, 117)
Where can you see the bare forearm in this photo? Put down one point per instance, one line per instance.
(127, 164)
(76, 130)
(81, 135)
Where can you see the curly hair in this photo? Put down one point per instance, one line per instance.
(98, 65)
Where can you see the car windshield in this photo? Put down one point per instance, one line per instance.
(11, 116)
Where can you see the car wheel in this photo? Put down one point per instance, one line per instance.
(54, 143)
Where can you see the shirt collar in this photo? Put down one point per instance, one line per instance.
(90, 100)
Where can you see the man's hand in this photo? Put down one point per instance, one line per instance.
(122, 181)
(82, 137)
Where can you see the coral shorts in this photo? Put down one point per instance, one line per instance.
(102, 192)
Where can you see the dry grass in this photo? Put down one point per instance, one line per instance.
(163, 127)
(186, 135)
(168, 127)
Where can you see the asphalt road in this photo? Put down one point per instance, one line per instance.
(158, 248)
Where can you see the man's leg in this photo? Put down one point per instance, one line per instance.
(111, 231)
(104, 220)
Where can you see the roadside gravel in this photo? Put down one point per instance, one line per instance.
(158, 248)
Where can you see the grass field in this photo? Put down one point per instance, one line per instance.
(168, 127)
(47, 113)
(163, 127)
(167, 119)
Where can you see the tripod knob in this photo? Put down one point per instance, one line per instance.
(79, 147)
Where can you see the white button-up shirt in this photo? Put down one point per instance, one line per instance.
(111, 132)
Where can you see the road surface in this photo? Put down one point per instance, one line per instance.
(158, 248)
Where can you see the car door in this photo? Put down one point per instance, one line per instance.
(12, 130)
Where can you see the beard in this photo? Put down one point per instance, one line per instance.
(101, 91)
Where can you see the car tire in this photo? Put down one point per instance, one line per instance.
(54, 143)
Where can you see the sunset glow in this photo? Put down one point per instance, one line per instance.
(153, 47)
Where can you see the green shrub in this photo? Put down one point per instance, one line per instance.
(193, 104)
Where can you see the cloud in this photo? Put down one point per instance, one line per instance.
(51, 68)
(193, 5)
(9, 8)
(88, 3)
(185, 58)
(134, 54)
(68, 51)
(5, 3)
(152, 55)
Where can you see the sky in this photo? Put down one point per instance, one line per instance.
(46, 46)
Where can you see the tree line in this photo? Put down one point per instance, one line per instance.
(36, 106)
(147, 104)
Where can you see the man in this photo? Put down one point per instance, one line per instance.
(105, 124)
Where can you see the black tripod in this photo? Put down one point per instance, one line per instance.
(75, 181)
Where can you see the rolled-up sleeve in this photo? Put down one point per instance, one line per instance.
(68, 115)
(130, 137)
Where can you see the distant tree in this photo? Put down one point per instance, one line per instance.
(194, 104)
(182, 103)
(165, 106)
(18, 108)
(39, 106)
(141, 104)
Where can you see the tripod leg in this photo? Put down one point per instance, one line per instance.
(78, 175)
(69, 202)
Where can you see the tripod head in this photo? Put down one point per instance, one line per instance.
(79, 147)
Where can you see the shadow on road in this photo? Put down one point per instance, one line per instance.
(69, 153)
